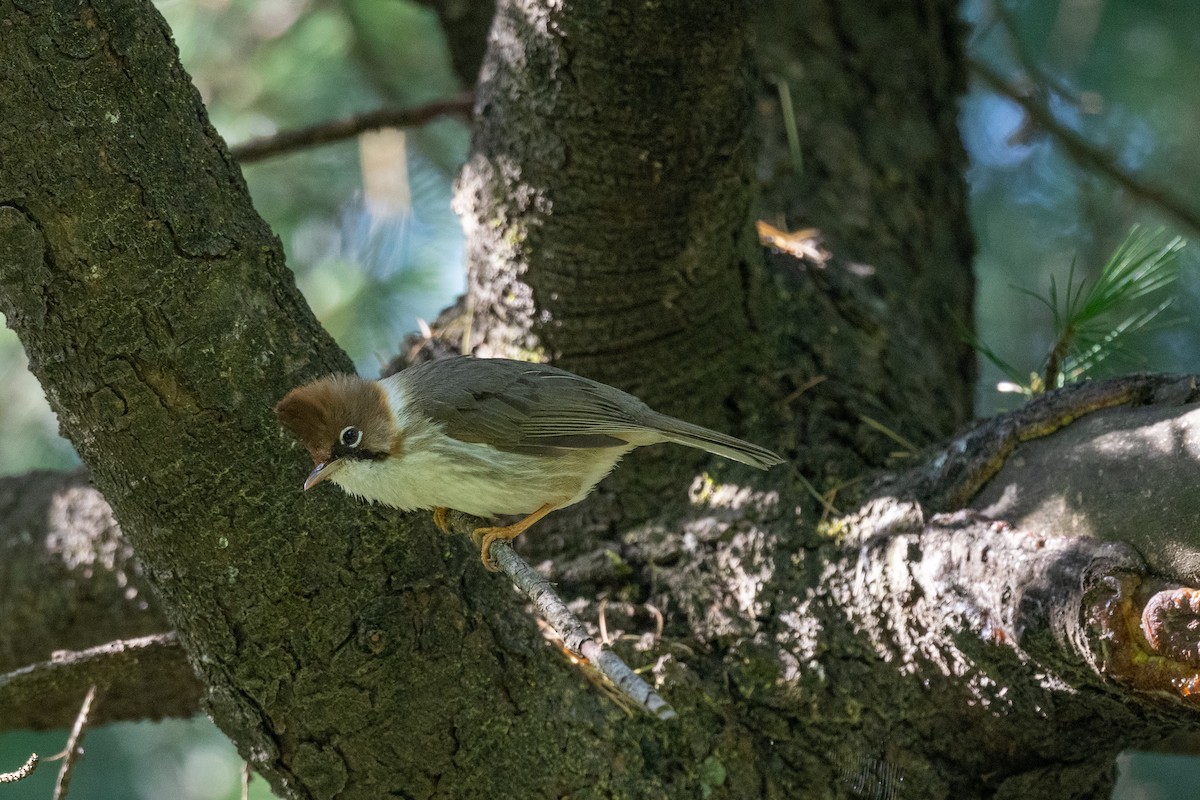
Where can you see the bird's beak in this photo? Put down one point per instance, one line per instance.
(322, 471)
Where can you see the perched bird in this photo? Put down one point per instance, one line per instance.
(483, 436)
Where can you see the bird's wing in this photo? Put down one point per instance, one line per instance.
(515, 405)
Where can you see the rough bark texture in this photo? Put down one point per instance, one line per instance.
(607, 197)
(884, 653)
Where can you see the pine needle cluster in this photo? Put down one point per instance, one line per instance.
(1094, 323)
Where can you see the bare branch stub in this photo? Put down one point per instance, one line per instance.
(1149, 635)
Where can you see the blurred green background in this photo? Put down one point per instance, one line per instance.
(368, 230)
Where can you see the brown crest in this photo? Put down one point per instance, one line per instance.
(316, 414)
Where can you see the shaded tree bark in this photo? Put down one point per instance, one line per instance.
(77, 610)
(607, 197)
(873, 89)
(353, 652)
(70, 578)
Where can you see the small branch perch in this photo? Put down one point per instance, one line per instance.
(338, 129)
(574, 636)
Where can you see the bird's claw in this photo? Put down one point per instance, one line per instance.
(483, 538)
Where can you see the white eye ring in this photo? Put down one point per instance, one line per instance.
(350, 436)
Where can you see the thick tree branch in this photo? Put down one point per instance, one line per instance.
(146, 678)
(1068, 576)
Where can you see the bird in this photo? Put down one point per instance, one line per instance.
(484, 436)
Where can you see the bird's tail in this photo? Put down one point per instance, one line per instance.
(685, 433)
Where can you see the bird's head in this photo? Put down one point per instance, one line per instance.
(340, 420)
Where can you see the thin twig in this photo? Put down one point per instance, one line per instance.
(21, 774)
(339, 129)
(72, 750)
(574, 636)
(1089, 156)
(602, 618)
(658, 620)
(910, 448)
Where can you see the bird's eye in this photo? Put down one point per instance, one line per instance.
(351, 436)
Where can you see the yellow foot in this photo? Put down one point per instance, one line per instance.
(485, 536)
(439, 519)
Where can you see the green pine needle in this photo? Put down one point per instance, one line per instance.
(1085, 333)
(1139, 267)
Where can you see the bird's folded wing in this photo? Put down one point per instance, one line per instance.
(519, 405)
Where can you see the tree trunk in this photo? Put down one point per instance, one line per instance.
(354, 652)
(607, 196)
